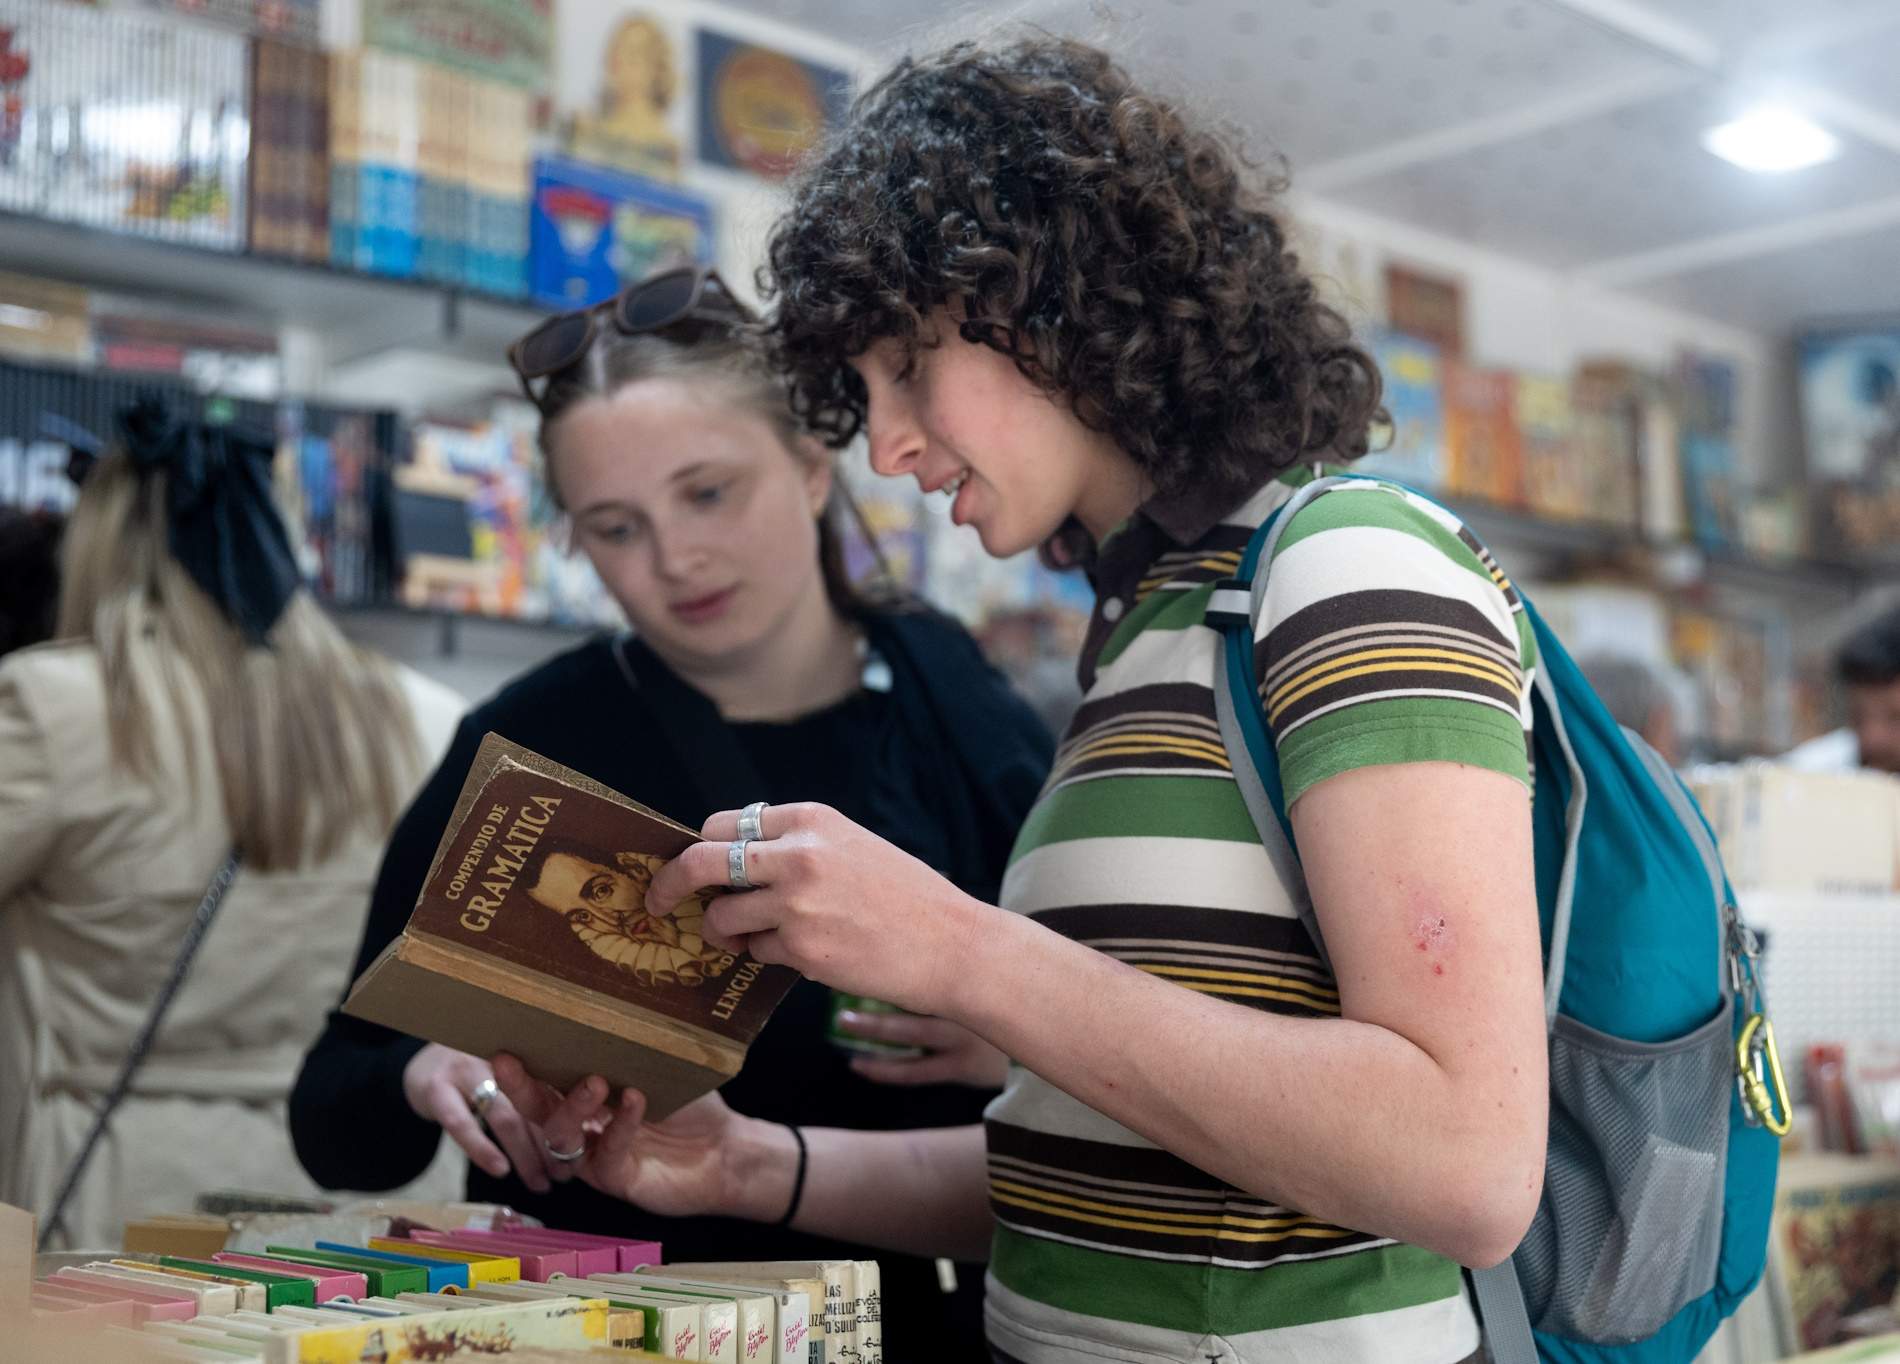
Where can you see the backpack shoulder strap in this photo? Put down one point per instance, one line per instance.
(1234, 611)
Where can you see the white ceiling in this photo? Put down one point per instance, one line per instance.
(1562, 132)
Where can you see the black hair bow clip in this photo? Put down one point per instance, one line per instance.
(224, 527)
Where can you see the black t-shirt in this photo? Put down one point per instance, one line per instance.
(945, 762)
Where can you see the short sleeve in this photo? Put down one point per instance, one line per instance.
(28, 818)
(1389, 635)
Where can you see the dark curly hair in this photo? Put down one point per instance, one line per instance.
(1119, 255)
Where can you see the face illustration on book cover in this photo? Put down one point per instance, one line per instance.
(606, 908)
(554, 877)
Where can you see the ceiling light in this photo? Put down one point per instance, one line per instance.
(1772, 139)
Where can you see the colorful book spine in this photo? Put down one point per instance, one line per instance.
(382, 1277)
(564, 1323)
(482, 1267)
(326, 1283)
(538, 1264)
(439, 1276)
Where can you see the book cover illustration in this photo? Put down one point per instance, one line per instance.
(1483, 447)
(549, 870)
(1414, 397)
(1554, 484)
(1712, 481)
(593, 228)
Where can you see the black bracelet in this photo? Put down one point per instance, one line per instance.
(798, 1180)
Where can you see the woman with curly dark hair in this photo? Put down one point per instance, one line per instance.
(1040, 289)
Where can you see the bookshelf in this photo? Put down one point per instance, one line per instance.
(1511, 531)
(360, 312)
(356, 313)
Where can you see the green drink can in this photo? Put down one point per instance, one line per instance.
(865, 1046)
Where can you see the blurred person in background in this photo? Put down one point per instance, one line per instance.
(1637, 697)
(29, 576)
(755, 669)
(1868, 667)
(197, 707)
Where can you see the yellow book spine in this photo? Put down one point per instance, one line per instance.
(481, 1268)
(566, 1323)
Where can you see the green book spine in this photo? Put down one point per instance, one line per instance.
(385, 1281)
(279, 1290)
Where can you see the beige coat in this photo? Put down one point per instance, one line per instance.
(99, 876)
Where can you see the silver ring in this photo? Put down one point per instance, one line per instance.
(565, 1157)
(484, 1094)
(735, 864)
(752, 820)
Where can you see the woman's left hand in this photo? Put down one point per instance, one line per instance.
(947, 1053)
(833, 901)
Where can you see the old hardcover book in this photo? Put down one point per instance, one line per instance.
(532, 937)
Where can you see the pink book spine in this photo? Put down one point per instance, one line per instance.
(538, 1263)
(338, 1283)
(633, 1254)
(107, 1311)
(148, 1306)
(588, 1258)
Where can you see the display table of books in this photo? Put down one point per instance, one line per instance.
(430, 1282)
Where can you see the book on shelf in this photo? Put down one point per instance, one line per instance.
(1712, 481)
(288, 21)
(1484, 452)
(290, 136)
(1554, 482)
(531, 936)
(1604, 398)
(71, 150)
(1414, 400)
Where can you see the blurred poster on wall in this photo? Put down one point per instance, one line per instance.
(1850, 410)
(632, 120)
(293, 21)
(593, 229)
(761, 110)
(503, 40)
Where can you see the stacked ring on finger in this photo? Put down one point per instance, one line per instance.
(484, 1094)
(735, 864)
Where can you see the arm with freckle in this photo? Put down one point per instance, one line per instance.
(1419, 1113)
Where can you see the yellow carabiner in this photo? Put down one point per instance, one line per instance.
(1755, 1091)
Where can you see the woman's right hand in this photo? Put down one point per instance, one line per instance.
(438, 1081)
(682, 1166)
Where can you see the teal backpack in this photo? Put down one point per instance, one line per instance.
(1664, 1132)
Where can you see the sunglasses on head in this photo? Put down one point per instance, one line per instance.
(674, 299)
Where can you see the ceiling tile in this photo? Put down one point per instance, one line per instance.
(1867, 72)
(1322, 79)
(1739, 26)
(1617, 184)
(1784, 291)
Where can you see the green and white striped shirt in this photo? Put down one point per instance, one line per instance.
(1389, 636)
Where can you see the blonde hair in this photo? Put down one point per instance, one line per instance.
(312, 737)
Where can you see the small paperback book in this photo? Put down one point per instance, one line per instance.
(532, 937)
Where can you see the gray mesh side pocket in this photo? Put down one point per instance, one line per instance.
(1631, 1220)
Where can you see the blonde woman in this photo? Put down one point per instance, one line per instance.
(196, 705)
